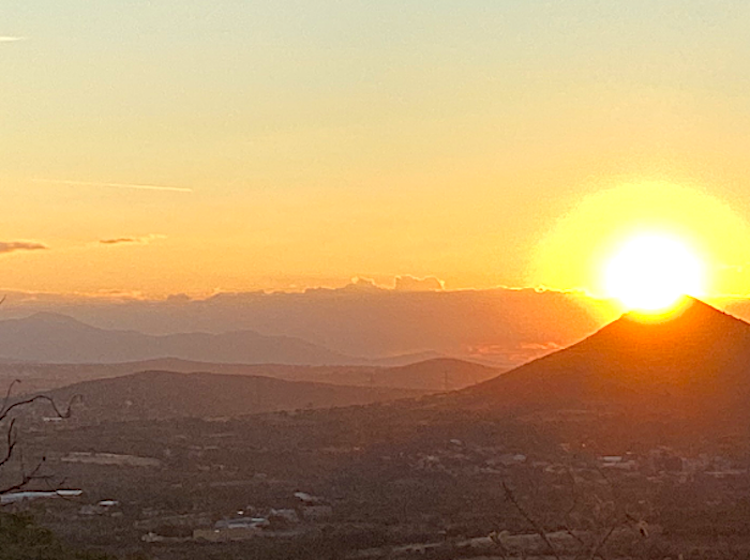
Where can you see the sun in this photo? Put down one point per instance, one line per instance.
(652, 272)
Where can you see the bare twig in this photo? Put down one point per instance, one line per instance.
(596, 551)
(28, 477)
(65, 413)
(8, 393)
(575, 494)
(12, 439)
(10, 444)
(529, 519)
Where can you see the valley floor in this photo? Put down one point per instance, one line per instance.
(341, 485)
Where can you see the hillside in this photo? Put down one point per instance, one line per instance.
(700, 353)
(443, 374)
(428, 376)
(632, 380)
(157, 395)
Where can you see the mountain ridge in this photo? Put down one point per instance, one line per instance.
(693, 362)
(427, 376)
(160, 395)
(57, 338)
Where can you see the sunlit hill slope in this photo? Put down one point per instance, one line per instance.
(686, 376)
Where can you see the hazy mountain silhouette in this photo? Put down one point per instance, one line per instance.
(694, 364)
(501, 326)
(156, 395)
(50, 337)
(429, 376)
(634, 383)
(441, 374)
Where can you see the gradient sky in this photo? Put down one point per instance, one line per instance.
(302, 143)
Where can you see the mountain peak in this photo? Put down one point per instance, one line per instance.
(687, 308)
(691, 323)
(50, 315)
(697, 357)
(49, 318)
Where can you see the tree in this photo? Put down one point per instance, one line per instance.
(9, 434)
(20, 537)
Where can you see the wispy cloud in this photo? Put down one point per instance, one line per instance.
(10, 39)
(11, 246)
(119, 240)
(118, 186)
(142, 240)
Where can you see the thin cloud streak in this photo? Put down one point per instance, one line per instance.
(11, 246)
(141, 240)
(119, 186)
(118, 240)
(10, 39)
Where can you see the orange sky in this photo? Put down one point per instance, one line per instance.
(483, 143)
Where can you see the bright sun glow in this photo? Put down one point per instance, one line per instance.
(652, 272)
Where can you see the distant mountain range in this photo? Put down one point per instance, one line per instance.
(54, 338)
(636, 382)
(501, 327)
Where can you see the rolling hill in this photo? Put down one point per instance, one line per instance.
(159, 395)
(432, 376)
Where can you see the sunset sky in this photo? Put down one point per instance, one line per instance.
(173, 146)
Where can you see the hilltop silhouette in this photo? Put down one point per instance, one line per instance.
(690, 368)
(696, 348)
(155, 395)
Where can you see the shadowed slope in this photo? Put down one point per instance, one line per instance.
(155, 395)
(695, 362)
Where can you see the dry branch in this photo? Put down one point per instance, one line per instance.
(530, 520)
(11, 437)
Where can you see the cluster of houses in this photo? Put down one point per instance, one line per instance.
(457, 458)
(663, 461)
(250, 523)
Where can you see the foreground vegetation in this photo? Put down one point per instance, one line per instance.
(21, 538)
